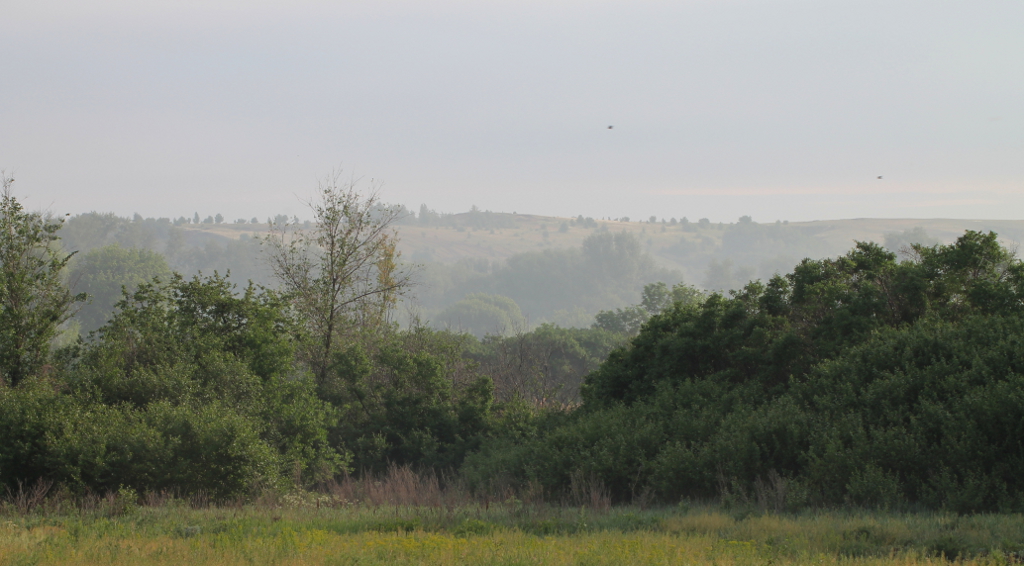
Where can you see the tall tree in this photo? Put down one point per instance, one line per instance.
(343, 273)
(34, 299)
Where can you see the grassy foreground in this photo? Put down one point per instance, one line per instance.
(300, 532)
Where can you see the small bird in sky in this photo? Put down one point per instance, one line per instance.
(610, 127)
(879, 176)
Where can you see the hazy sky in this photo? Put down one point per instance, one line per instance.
(779, 110)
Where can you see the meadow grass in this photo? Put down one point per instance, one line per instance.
(305, 530)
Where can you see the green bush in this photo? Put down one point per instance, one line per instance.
(857, 380)
(410, 401)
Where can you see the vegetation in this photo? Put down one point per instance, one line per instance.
(343, 273)
(34, 301)
(109, 271)
(859, 380)
(345, 526)
(857, 408)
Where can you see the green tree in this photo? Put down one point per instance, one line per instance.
(34, 298)
(655, 298)
(199, 342)
(343, 274)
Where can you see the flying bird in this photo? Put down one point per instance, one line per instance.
(610, 127)
(879, 176)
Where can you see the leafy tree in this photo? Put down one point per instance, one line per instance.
(193, 321)
(624, 321)
(343, 274)
(655, 298)
(34, 298)
(199, 342)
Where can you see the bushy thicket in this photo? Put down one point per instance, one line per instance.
(188, 387)
(855, 380)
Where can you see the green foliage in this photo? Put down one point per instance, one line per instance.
(195, 449)
(34, 299)
(857, 380)
(342, 276)
(931, 413)
(655, 298)
(102, 273)
(190, 387)
(409, 400)
(545, 365)
(195, 322)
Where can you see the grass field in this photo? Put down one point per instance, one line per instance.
(318, 530)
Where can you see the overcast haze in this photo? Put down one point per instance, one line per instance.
(779, 110)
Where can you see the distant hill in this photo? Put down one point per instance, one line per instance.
(519, 233)
(688, 247)
(540, 262)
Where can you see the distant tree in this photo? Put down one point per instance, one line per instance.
(103, 273)
(254, 220)
(652, 219)
(704, 223)
(481, 313)
(902, 243)
(425, 214)
(219, 218)
(655, 299)
(723, 276)
(564, 227)
(208, 220)
(625, 321)
(195, 219)
(746, 220)
(34, 300)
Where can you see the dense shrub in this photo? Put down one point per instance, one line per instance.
(88, 446)
(410, 399)
(189, 387)
(858, 380)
